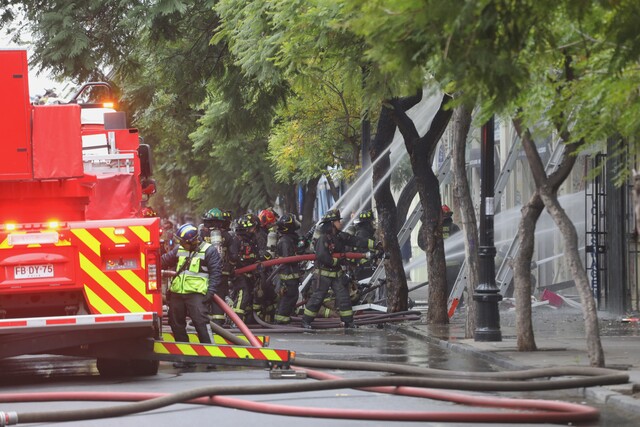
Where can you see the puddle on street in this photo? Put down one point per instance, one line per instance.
(387, 346)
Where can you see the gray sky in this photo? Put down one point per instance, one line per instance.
(37, 83)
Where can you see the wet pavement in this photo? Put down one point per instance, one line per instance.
(559, 335)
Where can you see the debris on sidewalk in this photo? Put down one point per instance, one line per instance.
(553, 298)
(633, 317)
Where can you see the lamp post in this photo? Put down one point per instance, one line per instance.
(487, 295)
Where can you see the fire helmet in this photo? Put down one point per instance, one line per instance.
(246, 222)
(212, 214)
(267, 217)
(287, 223)
(330, 216)
(365, 216)
(188, 236)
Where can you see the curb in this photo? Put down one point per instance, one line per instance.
(600, 394)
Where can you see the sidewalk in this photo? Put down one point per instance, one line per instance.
(559, 336)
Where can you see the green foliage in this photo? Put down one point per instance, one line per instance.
(78, 39)
(316, 130)
(297, 42)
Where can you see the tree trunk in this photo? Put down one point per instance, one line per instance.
(547, 188)
(396, 281)
(522, 273)
(421, 150)
(404, 201)
(310, 192)
(574, 262)
(332, 188)
(429, 190)
(289, 199)
(462, 195)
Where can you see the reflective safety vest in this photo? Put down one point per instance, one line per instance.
(191, 280)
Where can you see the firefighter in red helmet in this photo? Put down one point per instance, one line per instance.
(448, 227)
(264, 300)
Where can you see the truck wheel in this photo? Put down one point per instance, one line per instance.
(144, 367)
(111, 367)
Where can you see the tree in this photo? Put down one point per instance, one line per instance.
(396, 281)
(462, 193)
(289, 43)
(421, 150)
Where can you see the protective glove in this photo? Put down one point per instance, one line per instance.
(208, 296)
(379, 246)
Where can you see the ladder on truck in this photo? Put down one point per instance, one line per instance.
(504, 274)
(444, 173)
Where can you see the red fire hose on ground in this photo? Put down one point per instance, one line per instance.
(518, 410)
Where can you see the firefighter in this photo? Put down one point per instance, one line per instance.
(228, 219)
(328, 270)
(264, 298)
(243, 252)
(364, 228)
(198, 271)
(448, 226)
(217, 228)
(289, 274)
(167, 237)
(265, 233)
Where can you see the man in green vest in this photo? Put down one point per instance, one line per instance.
(198, 272)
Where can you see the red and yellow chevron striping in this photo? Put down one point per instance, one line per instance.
(223, 351)
(113, 269)
(193, 338)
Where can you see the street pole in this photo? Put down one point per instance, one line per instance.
(487, 295)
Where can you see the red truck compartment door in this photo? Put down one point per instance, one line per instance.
(15, 111)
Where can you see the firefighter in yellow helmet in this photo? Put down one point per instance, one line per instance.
(289, 274)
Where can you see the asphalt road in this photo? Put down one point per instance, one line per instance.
(47, 374)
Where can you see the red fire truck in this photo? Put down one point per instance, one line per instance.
(79, 267)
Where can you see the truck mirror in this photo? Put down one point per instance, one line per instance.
(144, 153)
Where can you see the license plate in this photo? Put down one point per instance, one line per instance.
(33, 271)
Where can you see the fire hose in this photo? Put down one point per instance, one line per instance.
(411, 381)
(298, 258)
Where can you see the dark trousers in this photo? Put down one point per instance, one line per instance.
(343, 301)
(217, 313)
(288, 300)
(242, 295)
(193, 305)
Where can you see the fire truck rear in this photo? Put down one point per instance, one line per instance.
(79, 267)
